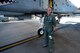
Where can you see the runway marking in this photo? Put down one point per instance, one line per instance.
(17, 43)
(25, 40)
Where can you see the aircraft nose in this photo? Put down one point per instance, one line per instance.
(6, 1)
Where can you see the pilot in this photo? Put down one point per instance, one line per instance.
(49, 24)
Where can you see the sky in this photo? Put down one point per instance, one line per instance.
(76, 2)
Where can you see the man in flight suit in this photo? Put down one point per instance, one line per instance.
(49, 24)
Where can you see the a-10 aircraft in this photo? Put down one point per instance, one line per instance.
(20, 8)
(28, 7)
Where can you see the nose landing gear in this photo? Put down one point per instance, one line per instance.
(40, 32)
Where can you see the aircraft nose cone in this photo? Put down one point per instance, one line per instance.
(4, 2)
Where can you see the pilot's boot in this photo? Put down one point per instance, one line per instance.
(51, 51)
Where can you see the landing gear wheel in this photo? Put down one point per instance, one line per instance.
(40, 32)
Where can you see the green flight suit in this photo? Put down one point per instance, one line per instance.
(49, 23)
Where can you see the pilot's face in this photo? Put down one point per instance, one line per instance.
(49, 11)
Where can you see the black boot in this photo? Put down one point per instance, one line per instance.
(45, 45)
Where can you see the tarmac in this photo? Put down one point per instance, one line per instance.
(67, 38)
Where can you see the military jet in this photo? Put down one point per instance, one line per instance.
(29, 7)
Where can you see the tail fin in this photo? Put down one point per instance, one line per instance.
(64, 6)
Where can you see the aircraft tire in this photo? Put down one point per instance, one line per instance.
(40, 32)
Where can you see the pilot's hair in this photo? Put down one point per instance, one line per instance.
(49, 7)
